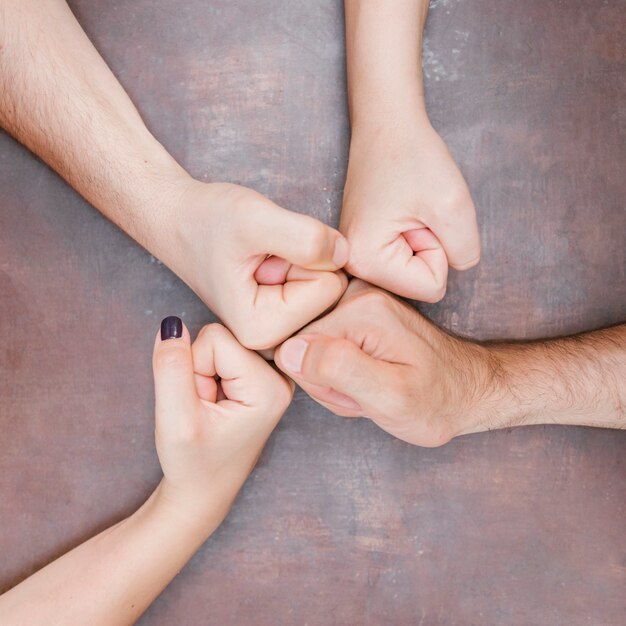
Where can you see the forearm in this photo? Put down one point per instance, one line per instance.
(111, 579)
(578, 380)
(384, 56)
(59, 98)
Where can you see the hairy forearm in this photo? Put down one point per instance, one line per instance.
(578, 380)
(112, 578)
(384, 56)
(59, 98)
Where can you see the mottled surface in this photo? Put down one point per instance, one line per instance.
(340, 524)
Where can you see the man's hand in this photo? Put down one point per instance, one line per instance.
(407, 211)
(375, 356)
(264, 270)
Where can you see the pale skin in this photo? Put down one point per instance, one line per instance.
(374, 356)
(208, 438)
(407, 216)
(407, 211)
(59, 98)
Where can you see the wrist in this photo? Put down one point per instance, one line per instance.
(498, 398)
(158, 208)
(473, 390)
(388, 118)
(194, 514)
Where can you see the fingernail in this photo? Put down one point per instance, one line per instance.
(340, 256)
(171, 328)
(292, 354)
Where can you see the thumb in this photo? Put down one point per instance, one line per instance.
(172, 363)
(300, 239)
(335, 372)
(460, 238)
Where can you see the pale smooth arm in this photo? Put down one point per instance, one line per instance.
(112, 578)
(59, 98)
(384, 54)
(407, 211)
(206, 446)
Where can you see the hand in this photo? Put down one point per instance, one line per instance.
(210, 431)
(264, 270)
(375, 356)
(407, 211)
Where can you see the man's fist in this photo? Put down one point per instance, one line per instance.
(375, 356)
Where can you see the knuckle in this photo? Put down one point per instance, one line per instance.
(282, 394)
(256, 337)
(373, 300)
(336, 359)
(456, 201)
(315, 243)
(436, 294)
(468, 264)
(211, 332)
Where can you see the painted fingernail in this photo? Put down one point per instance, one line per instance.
(292, 354)
(340, 256)
(171, 328)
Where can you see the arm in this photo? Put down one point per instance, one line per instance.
(384, 54)
(407, 211)
(113, 577)
(206, 448)
(437, 386)
(579, 380)
(59, 98)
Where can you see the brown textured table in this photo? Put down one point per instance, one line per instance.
(340, 523)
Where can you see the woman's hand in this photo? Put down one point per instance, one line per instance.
(407, 212)
(216, 405)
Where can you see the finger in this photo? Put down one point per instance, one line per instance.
(339, 365)
(175, 391)
(459, 237)
(299, 239)
(329, 398)
(206, 388)
(413, 265)
(278, 311)
(273, 271)
(335, 323)
(244, 376)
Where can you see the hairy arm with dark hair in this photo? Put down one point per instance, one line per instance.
(377, 357)
(59, 98)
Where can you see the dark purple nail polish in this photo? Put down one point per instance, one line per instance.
(171, 328)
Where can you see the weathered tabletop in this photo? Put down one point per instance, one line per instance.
(340, 523)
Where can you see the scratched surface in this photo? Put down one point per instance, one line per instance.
(340, 524)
